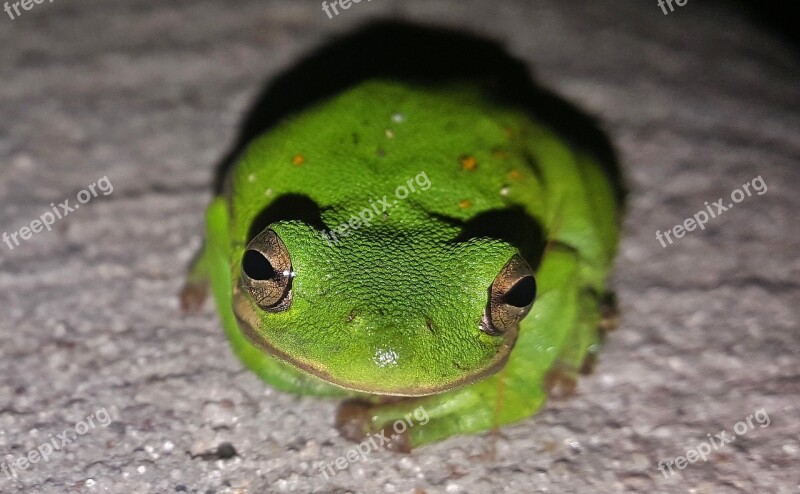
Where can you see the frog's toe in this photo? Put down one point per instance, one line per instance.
(589, 363)
(560, 382)
(192, 296)
(399, 442)
(354, 420)
(608, 313)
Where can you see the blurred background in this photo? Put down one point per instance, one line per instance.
(132, 105)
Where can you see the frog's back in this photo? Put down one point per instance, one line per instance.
(373, 140)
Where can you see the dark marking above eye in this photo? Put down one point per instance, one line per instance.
(284, 208)
(513, 225)
(522, 293)
(256, 266)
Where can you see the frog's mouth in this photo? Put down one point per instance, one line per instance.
(247, 317)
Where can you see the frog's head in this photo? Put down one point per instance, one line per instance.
(406, 312)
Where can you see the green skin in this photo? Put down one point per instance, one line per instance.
(393, 307)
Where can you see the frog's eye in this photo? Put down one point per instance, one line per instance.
(267, 272)
(510, 297)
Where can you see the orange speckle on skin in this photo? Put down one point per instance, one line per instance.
(468, 162)
(298, 159)
(464, 204)
(515, 174)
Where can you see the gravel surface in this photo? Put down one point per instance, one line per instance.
(149, 94)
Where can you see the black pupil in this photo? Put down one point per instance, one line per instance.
(522, 293)
(256, 266)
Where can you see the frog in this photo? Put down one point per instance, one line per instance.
(407, 247)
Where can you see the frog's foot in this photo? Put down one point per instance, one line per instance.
(560, 382)
(414, 421)
(608, 313)
(589, 363)
(192, 296)
(354, 422)
(195, 290)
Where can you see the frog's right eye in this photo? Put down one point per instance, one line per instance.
(267, 272)
(510, 297)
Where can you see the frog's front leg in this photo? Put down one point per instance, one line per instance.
(550, 337)
(409, 423)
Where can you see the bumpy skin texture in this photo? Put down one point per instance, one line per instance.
(394, 307)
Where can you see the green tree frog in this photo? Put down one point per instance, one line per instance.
(412, 246)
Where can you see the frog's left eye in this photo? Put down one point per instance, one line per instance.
(511, 297)
(267, 272)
